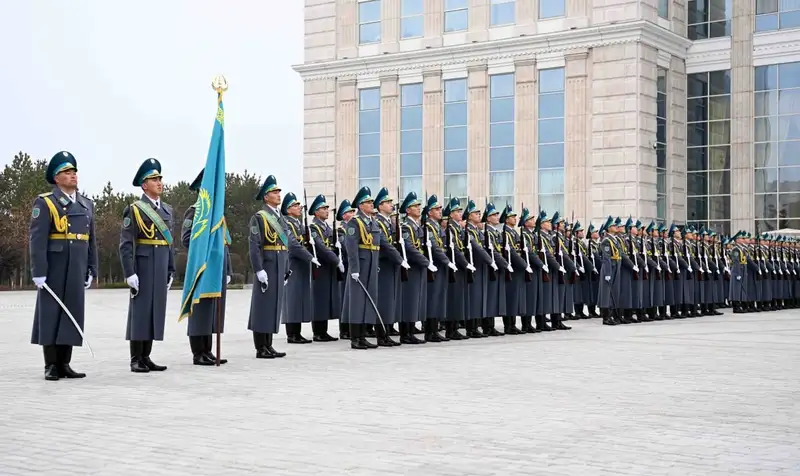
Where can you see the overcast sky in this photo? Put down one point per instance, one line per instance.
(117, 82)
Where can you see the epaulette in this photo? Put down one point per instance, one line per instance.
(47, 194)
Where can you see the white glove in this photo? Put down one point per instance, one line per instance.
(690, 270)
(169, 283)
(529, 270)
(546, 269)
(738, 278)
(133, 281)
(582, 270)
(608, 279)
(562, 270)
(635, 269)
(340, 266)
(228, 280)
(88, 281)
(453, 266)
(509, 268)
(262, 276)
(470, 267)
(315, 262)
(39, 282)
(405, 264)
(679, 271)
(432, 268)
(354, 276)
(494, 266)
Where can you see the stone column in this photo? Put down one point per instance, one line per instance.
(677, 13)
(527, 11)
(390, 131)
(647, 61)
(434, 23)
(575, 8)
(479, 18)
(346, 29)
(742, 93)
(390, 26)
(319, 136)
(676, 145)
(478, 109)
(346, 166)
(526, 183)
(576, 167)
(432, 132)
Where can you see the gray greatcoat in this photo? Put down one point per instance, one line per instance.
(738, 282)
(66, 263)
(203, 320)
(363, 242)
(593, 256)
(389, 260)
(531, 288)
(413, 299)
(300, 305)
(565, 302)
(437, 289)
(325, 286)
(496, 290)
(457, 290)
(753, 274)
(548, 292)
(656, 276)
(476, 296)
(588, 278)
(269, 251)
(154, 264)
(340, 235)
(612, 261)
(516, 304)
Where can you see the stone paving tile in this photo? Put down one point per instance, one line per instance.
(708, 396)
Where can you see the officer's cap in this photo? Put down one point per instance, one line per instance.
(270, 185)
(288, 200)
(344, 207)
(61, 162)
(382, 196)
(150, 168)
(577, 227)
(363, 195)
(411, 200)
(318, 203)
(472, 208)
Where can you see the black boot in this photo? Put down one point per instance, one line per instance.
(64, 358)
(198, 346)
(362, 339)
(557, 324)
(642, 316)
(260, 343)
(320, 329)
(527, 325)
(579, 314)
(541, 324)
(510, 326)
(489, 329)
(392, 332)
(593, 311)
(714, 311)
(278, 355)
(383, 338)
(344, 331)
(146, 349)
(357, 341)
(432, 334)
(608, 319)
(209, 344)
(451, 331)
(293, 334)
(369, 331)
(50, 362)
(137, 362)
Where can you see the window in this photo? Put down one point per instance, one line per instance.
(661, 145)
(369, 138)
(777, 146)
(455, 139)
(777, 14)
(709, 19)
(551, 9)
(456, 15)
(708, 130)
(501, 139)
(663, 9)
(502, 12)
(369, 22)
(411, 139)
(412, 19)
(550, 139)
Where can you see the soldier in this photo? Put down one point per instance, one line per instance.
(534, 269)
(586, 271)
(413, 301)
(739, 275)
(436, 305)
(455, 247)
(662, 293)
(390, 261)
(515, 280)
(609, 288)
(148, 261)
(326, 296)
(650, 294)
(476, 294)
(203, 321)
(593, 256)
(63, 255)
(344, 214)
(363, 242)
(270, 242)
(300, 306)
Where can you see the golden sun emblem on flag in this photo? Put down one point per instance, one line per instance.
(202, 208)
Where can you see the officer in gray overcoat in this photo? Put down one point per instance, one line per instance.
(656, 278)
(390, 262)
(300, 305)
(436, 289)
(534, 268)
(586, 271)
(203, 321)
(739, 275)
(63, 255)
(148, 261)
(663, 290)
(476, 295)
(496, 289)
(325, 286)
(363, 243)
(455, 247)
(413, 303)
(344, 214)
(270, 242)
(611, 263)
(593, 255)
(515, 280)
(550, 299)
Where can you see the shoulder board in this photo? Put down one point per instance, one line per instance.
(45, 194)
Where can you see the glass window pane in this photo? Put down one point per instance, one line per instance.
(501, 85)
(412, 27)
(551, 80)
(766, 6)
(661, 182)
(790, 20)
(411, 184)
(766, 103)
(661, 131)
(369, 121)
(501, 158)
(551, 202)
(766, 206)
(719, 132)
(661, 106)
(719, 29)
(411, 164)
(766, 180)
(719, 183)
(766, 154)
(369, 144)
(719, 10)
(454, 4)
(455, 161)
(410, 95)
(697, 158)
(456, 21)
(663, 11)
(719, 82)
(697, 134)
(369, 33)
(551, 156)
(697, 183)
(789, 128)
(789, 179)
(551, 130)
(551, 8)
(766, 78)
(719, 208)
(455, 114)
(455, 138)
(551, 181)
(697, 109)
(789, 205)
(501, 183)
(501, 110)
(661, 208)
(698, 85)
(411, 117)
(697, 208)
(502, 13)
(551, 105)
(719, 108)
(766, 225)
(698, 32)
(789, 101)
(455, 90)
(369, 166)
(501, 134)
(789, 75)
(789, 153)
(411, 141)
(412, 7)
(661, 158)
(369, 99)
(455, 185)
(369, 11)
(766, 129)
(766, 22)
(722, 226)
(719, 158)
(373, 184)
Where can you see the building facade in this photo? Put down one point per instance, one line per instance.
(676, 110)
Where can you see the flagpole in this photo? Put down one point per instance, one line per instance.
(220, 85)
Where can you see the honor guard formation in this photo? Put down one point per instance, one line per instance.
(382, 268)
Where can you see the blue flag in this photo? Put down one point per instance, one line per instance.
(205, 262)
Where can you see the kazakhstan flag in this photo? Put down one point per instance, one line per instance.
(205, 263)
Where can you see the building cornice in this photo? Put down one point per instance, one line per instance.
(512, 49)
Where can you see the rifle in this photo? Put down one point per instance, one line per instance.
(335, 236)
(542, 254)
(700, 271)
(468, 241)
(426, 239)
(448, 237)
(646, 273)
(488, 248)
(524, 247)
(310, 243)
(632, 250)
(399, 242)
(507, 248)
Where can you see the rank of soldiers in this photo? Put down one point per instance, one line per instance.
(381, 264)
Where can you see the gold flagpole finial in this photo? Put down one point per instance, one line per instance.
(219, 84)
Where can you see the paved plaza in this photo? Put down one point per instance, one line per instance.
(714, 395)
